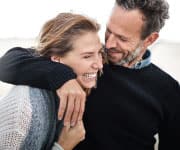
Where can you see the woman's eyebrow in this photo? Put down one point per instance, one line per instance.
(91, 51)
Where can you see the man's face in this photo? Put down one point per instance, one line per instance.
(122, 37)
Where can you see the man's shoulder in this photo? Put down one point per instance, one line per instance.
(162, 73)
(164, 79)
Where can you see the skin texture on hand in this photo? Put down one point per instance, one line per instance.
(72, 102)
(71, 136)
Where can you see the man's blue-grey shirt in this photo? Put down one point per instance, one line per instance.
(144, 62)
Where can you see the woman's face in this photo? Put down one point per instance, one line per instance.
(85, 58)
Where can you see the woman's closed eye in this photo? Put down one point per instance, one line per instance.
(87, 56)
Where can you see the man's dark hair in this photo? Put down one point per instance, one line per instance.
(155, 12)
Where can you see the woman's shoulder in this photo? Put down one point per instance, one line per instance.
(25, 109)
(15, 114)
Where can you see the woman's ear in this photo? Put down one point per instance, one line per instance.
(55, 58)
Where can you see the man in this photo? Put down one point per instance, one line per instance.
(134, 99)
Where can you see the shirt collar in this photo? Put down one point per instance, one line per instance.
(146, 61)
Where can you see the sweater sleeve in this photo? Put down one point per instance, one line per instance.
(23, 66)
(56, 146)
(15, 118)
(169, 134)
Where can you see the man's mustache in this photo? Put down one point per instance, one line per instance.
(112, 50)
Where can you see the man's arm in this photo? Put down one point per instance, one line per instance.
(169, 134)
(23, 66)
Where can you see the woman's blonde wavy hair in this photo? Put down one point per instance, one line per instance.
(57, 35)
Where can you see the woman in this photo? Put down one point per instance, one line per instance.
(29, 115)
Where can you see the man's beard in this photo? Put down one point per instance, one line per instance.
(131, 56)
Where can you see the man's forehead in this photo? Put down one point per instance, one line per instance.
(125, 22)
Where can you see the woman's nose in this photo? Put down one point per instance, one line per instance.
(98, 63)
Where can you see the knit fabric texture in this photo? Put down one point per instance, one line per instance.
(26, 118)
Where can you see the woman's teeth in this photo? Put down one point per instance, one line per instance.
(90, 75)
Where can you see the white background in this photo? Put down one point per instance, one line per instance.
(24, 18)
(21, 21)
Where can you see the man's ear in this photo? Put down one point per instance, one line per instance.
(55, 58)
(150, 39)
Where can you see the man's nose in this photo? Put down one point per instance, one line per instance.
(111, 41)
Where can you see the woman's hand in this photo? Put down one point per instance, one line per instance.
(71, 136)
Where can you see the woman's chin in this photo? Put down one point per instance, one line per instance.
(89, 85)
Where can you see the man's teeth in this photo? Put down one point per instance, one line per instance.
(90, 75)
